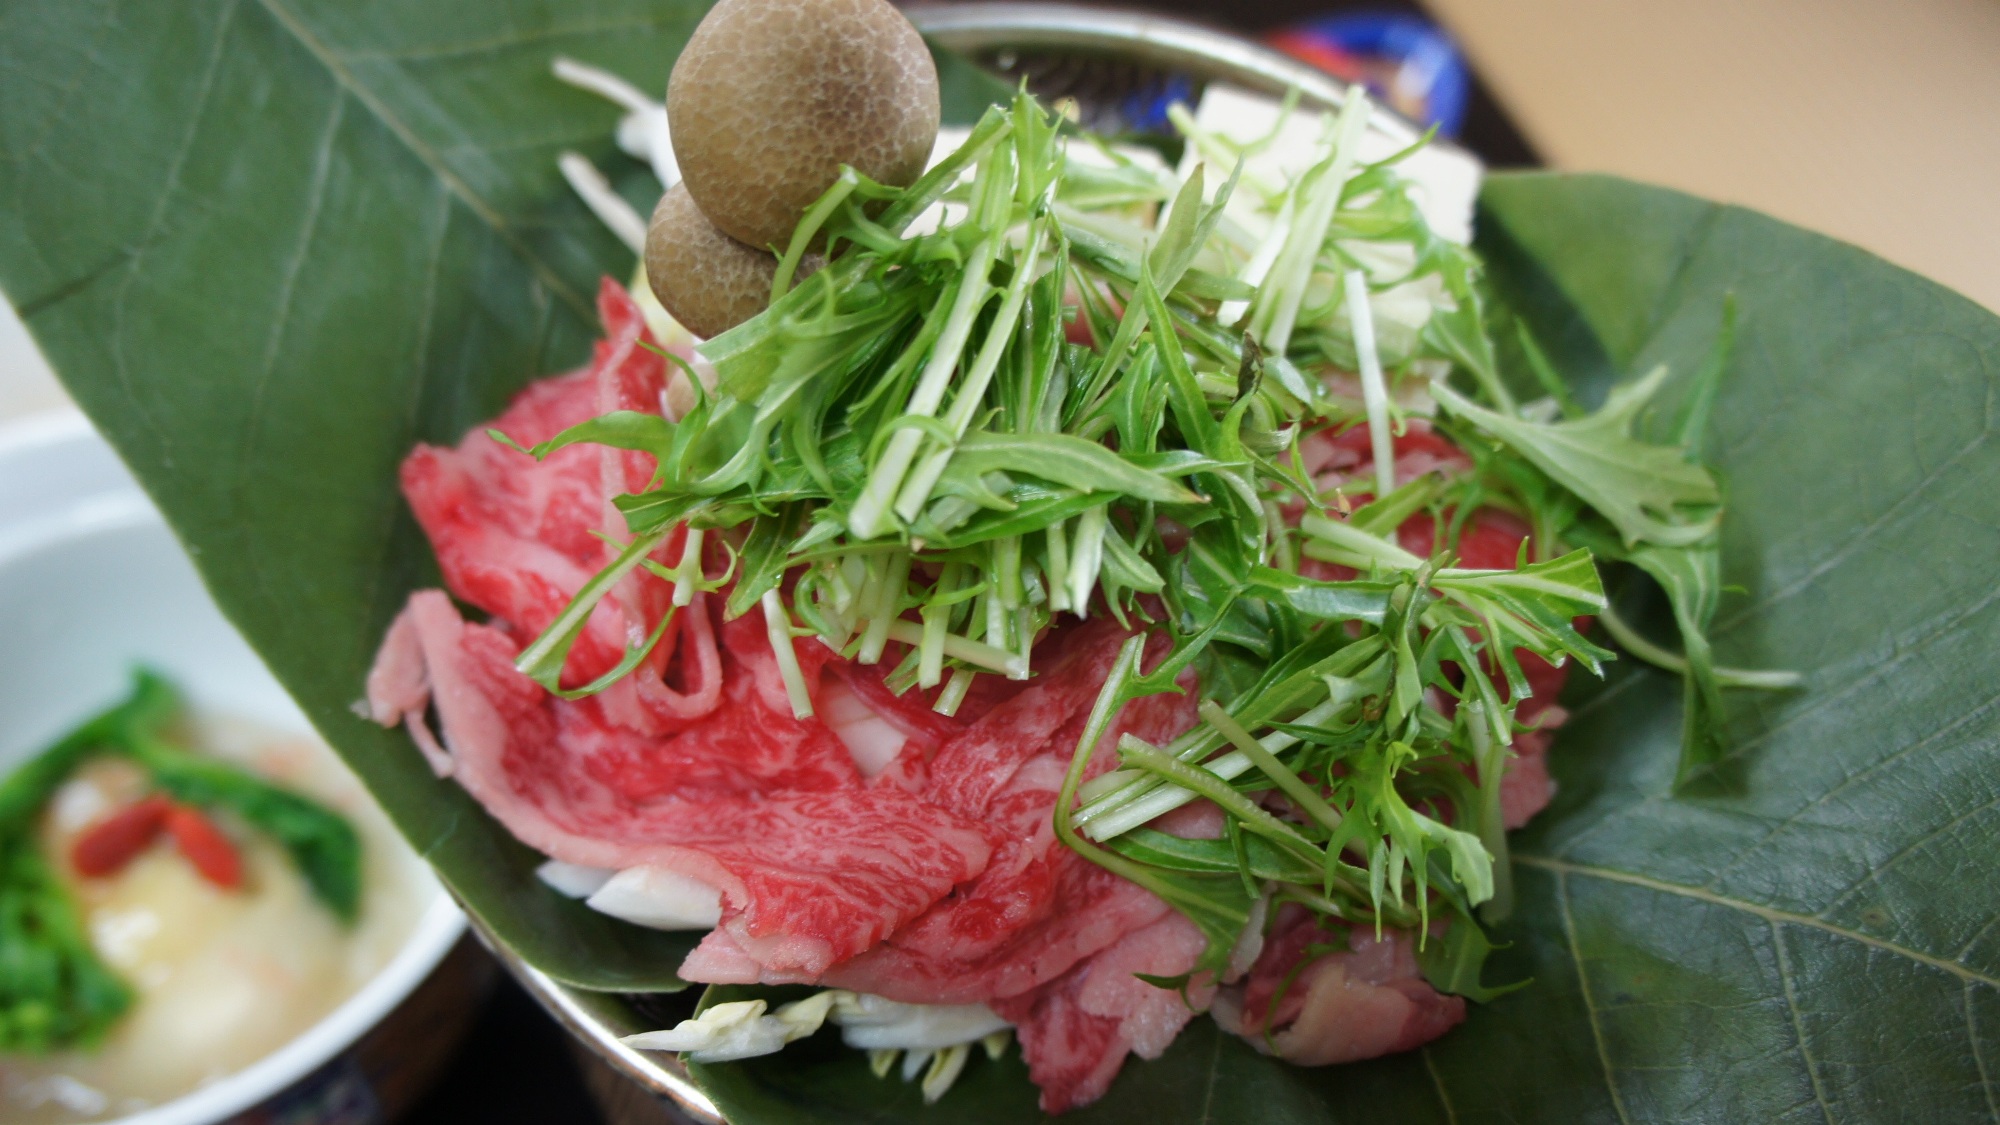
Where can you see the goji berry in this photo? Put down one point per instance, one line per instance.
(107, 846)
(213, 855)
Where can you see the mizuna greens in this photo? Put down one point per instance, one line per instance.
(912, 429)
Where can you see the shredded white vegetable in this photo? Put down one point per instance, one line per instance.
(643, 131)
(658, 899)
(935, 1040)
(736, 1030)
(573, 880)
(604, 201)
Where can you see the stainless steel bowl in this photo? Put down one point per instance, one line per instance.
(1100, 57)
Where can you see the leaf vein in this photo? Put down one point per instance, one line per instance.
(1673, 297)
(1854, 542)
(1589, 1005)
(1798, 1023)
(1437, 1082)
(168, 186)
(1608, 695)
(1562, 867)
(1979, 1056)
(1981, 932)
(253, 422)
(297, 28)
(1208, 1091)
(497, 43)
(1875, 874)
(78, 78)
(1853, 779)
(419, 385)
(1878, 669)
(29, 307)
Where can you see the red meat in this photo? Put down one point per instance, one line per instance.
(1315, 996)
(1076, 1030)
(1038, 908)
(938, 879)
(813, 867)
(518, 539)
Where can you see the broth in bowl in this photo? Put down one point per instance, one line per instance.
(219, 975)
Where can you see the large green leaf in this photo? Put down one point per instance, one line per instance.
(271, 243)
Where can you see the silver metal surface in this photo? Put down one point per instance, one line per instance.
(600, 1020)
(989, 33)
(1171, 45)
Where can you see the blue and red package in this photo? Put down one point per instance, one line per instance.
(1409, 63)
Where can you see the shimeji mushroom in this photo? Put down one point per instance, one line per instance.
(707, 280)
(771, 97)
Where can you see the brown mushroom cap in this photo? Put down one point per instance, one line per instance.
(771, 97)
(707, 280)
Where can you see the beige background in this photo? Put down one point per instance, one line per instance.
(26, 386)
(1877, 121)
(1874, 120)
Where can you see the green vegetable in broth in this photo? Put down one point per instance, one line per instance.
(55, 992)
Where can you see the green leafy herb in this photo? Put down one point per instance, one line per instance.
(55, 991)
(1651, 493)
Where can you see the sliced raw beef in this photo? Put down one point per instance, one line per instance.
(1043, 721)
(1347, 459)
(1039, 908)
(878, 846)
(518, 539)
(812, 866)
(1076, 1030)
(1317, 997)
(399, 683)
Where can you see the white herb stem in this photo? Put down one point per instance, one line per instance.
(1117, 813)
(1012, 665)
(1058, 569)
(603, 83)
(778, 626)
(1087, 556)
(930, 652)
(688, 572)
(972, 389)
(1259, 266)
(1293, 272)
(1374, 390)
(871, 511)
(882, 610)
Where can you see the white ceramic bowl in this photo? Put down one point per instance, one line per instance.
(92, 582)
